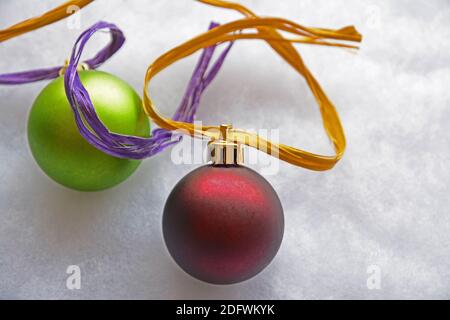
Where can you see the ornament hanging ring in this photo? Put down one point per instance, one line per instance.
(267, 30)
(83, 66)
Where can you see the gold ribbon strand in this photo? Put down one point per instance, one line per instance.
(47, 18)
(267, 30)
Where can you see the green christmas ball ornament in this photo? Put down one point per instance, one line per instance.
(59, 149)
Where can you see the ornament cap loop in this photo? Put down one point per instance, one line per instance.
(223, 151)
(81, 67)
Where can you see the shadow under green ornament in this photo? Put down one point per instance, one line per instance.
(60, 150)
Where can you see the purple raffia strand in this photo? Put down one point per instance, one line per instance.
(126, 146)
(117, 40)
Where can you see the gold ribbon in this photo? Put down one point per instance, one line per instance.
(47, 18)
(267, 30)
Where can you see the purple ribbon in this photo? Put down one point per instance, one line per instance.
(117, 40)
(126, 146)
(89, 124)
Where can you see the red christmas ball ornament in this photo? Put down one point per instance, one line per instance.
(223, 223)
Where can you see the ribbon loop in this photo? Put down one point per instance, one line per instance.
(268, 29)
(117, 41)
(125, 146)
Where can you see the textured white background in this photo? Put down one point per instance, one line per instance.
(386, 203)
